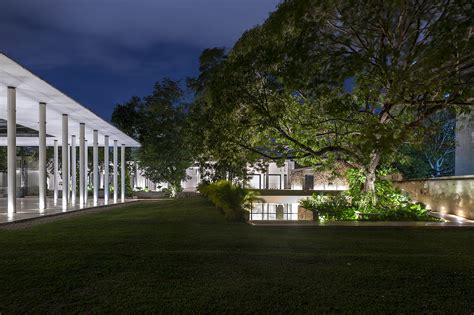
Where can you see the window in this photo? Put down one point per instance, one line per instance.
(274, 211)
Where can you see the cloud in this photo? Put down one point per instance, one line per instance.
(116, 34)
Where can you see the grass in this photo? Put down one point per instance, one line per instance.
(182, 257)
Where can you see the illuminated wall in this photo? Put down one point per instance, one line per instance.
(453, 195)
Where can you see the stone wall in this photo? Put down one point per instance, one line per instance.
(453, 195)
(322, 180)
(304, 214)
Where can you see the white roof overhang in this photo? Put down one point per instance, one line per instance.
(31, 90)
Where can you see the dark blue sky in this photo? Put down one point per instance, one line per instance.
(101, 52)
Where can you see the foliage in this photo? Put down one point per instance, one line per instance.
(217, 154)
(385, 203)
(232, 199)
(127, 117)
(434, 155)
(340, 81)
(158, 121)
(330, 207)
(128, 182)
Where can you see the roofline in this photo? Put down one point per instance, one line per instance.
(66, 95)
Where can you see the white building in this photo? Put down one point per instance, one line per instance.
(286, 177)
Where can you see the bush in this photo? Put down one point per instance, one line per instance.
(387, 203)
(233, 200)
(330, 207)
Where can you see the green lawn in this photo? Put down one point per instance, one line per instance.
(181, 256)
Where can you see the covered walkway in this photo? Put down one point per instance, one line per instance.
(52, 119)
(28, 208)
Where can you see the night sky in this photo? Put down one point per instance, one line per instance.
(101, 52)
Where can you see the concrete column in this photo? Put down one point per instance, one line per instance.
(82, 128)
(42, 156)
(106, 170)
(122, 175)
(73, 169)
(65, 160)
(136, 175)
(115, 172)
(11, 149)
(95, 170)
(55, 172)
(69, 172)
(86, 171)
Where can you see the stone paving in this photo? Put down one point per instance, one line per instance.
(28, 208)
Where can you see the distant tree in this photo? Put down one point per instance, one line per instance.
(440, 145)
(127, 116)
(158, 122)
(164, 155)
(434, 155)
(280, 93)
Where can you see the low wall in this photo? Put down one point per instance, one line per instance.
(149, 194)
(453, 194)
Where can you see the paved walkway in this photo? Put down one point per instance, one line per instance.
(450, 221)
(28, 209)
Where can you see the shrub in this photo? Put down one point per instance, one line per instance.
(386, 203)
(233, 200)
(330, 207)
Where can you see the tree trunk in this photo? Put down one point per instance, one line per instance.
(370, 172)
(175, 188)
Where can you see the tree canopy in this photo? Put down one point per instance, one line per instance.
(283, 89)
(158, 121)
(353, 82)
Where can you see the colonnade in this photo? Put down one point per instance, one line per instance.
(68, 162)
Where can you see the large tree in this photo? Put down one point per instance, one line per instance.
(165, 154)
(127, 117)
(218, 156)
(158, 122)
(346, 81)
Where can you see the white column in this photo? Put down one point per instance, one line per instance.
(106, 170)
(115, 172)
(55, 172)
(95, 158)
(11, 149)
(73, 169)
(122, 175)
(69, 165)
(42, 156)
(65, 160)
(136, 174)
(86, 171)
(82, 128)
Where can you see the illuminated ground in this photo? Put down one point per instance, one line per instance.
(181, 256)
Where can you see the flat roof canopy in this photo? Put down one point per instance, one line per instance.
(31, 90)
